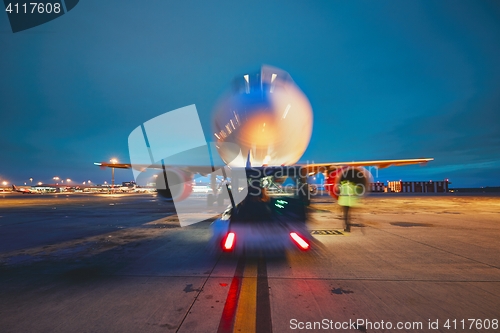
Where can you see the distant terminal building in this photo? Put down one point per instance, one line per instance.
(377, 187)
(440, 186)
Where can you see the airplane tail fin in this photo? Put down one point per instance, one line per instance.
(14, 187)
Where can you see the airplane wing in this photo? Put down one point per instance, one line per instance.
(114, 165)
(202, 170)
(312, 167)
(381, 164)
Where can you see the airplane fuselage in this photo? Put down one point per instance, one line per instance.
(267, 116)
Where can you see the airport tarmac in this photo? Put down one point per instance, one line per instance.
(122, 263)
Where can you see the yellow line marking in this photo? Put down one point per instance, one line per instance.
(328, 232)
(246, 311)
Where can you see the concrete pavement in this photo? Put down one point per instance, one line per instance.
(129, 267)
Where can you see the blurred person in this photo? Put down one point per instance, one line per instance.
(347, 198)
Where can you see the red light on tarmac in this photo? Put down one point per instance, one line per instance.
(301, 243)
(229, 242)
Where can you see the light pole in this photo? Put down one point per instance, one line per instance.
(113, 161)
(56, 179)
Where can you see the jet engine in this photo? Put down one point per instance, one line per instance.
(174, 184)
(358, 175)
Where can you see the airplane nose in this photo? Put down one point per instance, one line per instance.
(267, 115)
(259, 130)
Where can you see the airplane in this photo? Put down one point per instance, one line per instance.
(24, 190)
(268, 117)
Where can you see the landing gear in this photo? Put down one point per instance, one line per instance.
(220, 193)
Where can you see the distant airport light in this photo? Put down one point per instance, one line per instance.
(68, 180)
(97, 163)
(4, 183)
(39, 183)
(114, 161)
(299, 241)
(229, 242)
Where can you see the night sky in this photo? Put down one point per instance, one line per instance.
(386, 79)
